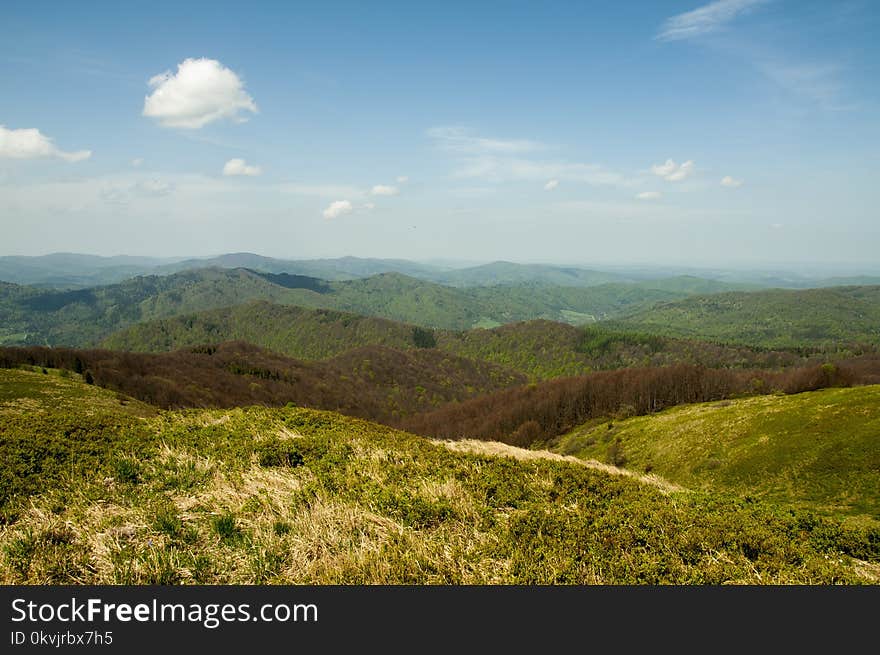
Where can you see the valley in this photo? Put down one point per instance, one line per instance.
(496, 424)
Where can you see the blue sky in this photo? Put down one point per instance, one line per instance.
(735, 132)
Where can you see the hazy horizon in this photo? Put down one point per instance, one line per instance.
(806, 269)
(723, 134)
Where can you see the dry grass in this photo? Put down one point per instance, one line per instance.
(499, 449)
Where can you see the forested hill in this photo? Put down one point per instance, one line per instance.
(771, 318)
(372, 382)
(83, 317)
(540, 349)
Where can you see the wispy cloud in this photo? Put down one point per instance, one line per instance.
(731, 182)
(672, 172)
(508, 169)
(338, 208)
(461, 140)
(321, 190)
(704, 20)
(510, 160)
(818, 82)
(384, 190)
(802, 75)
(124, 192)
(649, 195)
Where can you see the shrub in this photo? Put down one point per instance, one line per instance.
(127, 470)
(423, 338)
(225, 526)
(526, 434)
(279, 453)
(614, 454)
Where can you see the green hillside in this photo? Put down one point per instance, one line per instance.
(93, 492)
(67, 270)
(773, 318)
(511, 273)
(541, 349)
(289, 330)
(341, 268)
(691, 284)
(83, 317)
(817, 450)
(373, 382)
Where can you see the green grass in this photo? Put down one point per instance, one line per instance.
(257, 495)
(817, 450)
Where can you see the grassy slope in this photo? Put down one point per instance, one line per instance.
(774, 318)
(373, 382)
(256, 495)
(819, 450)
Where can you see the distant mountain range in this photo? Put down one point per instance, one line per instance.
(677, 307)
(70, 270)
(82, 317)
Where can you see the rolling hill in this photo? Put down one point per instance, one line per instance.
(83, 317)
(507, 273)
(541, 349)
(541, 412)
(97, 489)
(373, 382)
(341, 268)
(774, 318)
(69, 270)
(818, 450)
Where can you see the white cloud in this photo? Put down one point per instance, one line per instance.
(202, 91)
(730, 182)
(664, 169)
(672, 172)
(338, 208)
(501, 169)
(123, 192)
(240, 167)
(29, 143)
(369, 206)
(649, 195)
(704, 20)
(403, 179)
(497, 161)
(683, 171)
(137, 161)
(382, 190)
(459, 139)
(552, 184)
